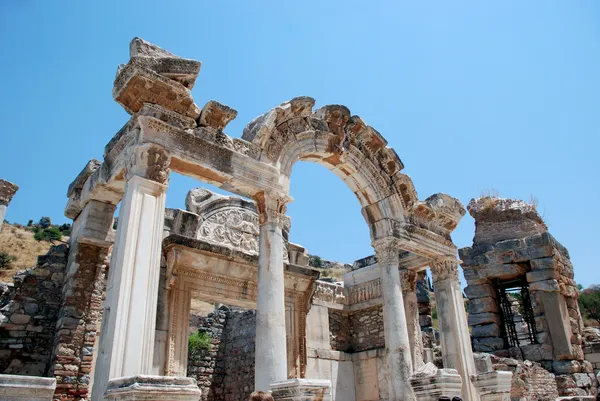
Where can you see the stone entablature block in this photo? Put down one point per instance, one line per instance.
(26, 388)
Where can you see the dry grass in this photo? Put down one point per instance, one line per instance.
(20, 243)
(335, 273)
(201, 308)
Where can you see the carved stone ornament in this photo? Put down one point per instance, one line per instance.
(150, 162)
(408, 280)
(271, 208)
(234, 227)
(444, 269)
(387, 251)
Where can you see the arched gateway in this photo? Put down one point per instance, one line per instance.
(168, 132)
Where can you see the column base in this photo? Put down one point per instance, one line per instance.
(301, 390)
(493, 386)
(26, 388)
(430, 383)
(152, 388)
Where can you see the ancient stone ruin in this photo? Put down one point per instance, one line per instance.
(109, 317)
(522, 296)
(7, 191)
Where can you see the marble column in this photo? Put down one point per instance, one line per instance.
(129, 319)
(271, 352)
(180, 299)
(394, 321)
(452, 319)
(408, 281)
(7, 191)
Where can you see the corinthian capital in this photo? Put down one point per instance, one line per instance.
(387, 251)
(408, 280)
(444, 269)
(271, 208)
(148, 161)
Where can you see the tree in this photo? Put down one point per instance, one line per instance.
(47, 234)
(589, 303)
(45, 222)
(6, 260)
(29, 223)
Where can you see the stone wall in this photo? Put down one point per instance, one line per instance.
(340, 334)
(28, 316)
(366, 328)
(512, 243)
(226, 371)
(530, 381)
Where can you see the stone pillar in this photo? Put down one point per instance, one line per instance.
(80, 312)
(394, 321)
(271, 352)
(180, 300)
(408, 281)
(452, 319)
(129, 319)
(7, 191)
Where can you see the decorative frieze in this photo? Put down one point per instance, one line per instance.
(365, 292)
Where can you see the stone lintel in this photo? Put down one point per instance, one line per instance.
(301, 390)
(152, 388)
(7, 191)
(26, 388)
(94, 224)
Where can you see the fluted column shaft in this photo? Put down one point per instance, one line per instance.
(397, 342)
(452, 319)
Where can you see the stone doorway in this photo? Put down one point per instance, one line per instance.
(518, 323)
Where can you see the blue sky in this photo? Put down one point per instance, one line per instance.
(472, 95)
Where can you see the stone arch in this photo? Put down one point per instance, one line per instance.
(345, 145)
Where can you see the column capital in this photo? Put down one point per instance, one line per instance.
(148, 161)
(408, 280)
(387, 251)
(444, 269)
(271, 207)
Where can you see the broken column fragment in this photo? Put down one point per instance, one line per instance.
(7, 191)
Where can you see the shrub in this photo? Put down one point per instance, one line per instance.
(65, 229)
(589, 303)
(198, 342)
(47, 234)
(45, 222)
(6, 260)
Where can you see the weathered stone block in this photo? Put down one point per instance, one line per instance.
(216, 115)
(481, 305)
(566, 367)
(542, 275)
(487, 344)
(480, 291)
(486, 330)
(483, 318)
(545, 285)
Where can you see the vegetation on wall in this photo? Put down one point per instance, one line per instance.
(199, 341)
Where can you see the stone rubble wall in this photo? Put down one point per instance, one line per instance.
(591, 347)
(530, 380)
(226, 371)
(356, 331)
(28, 316)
